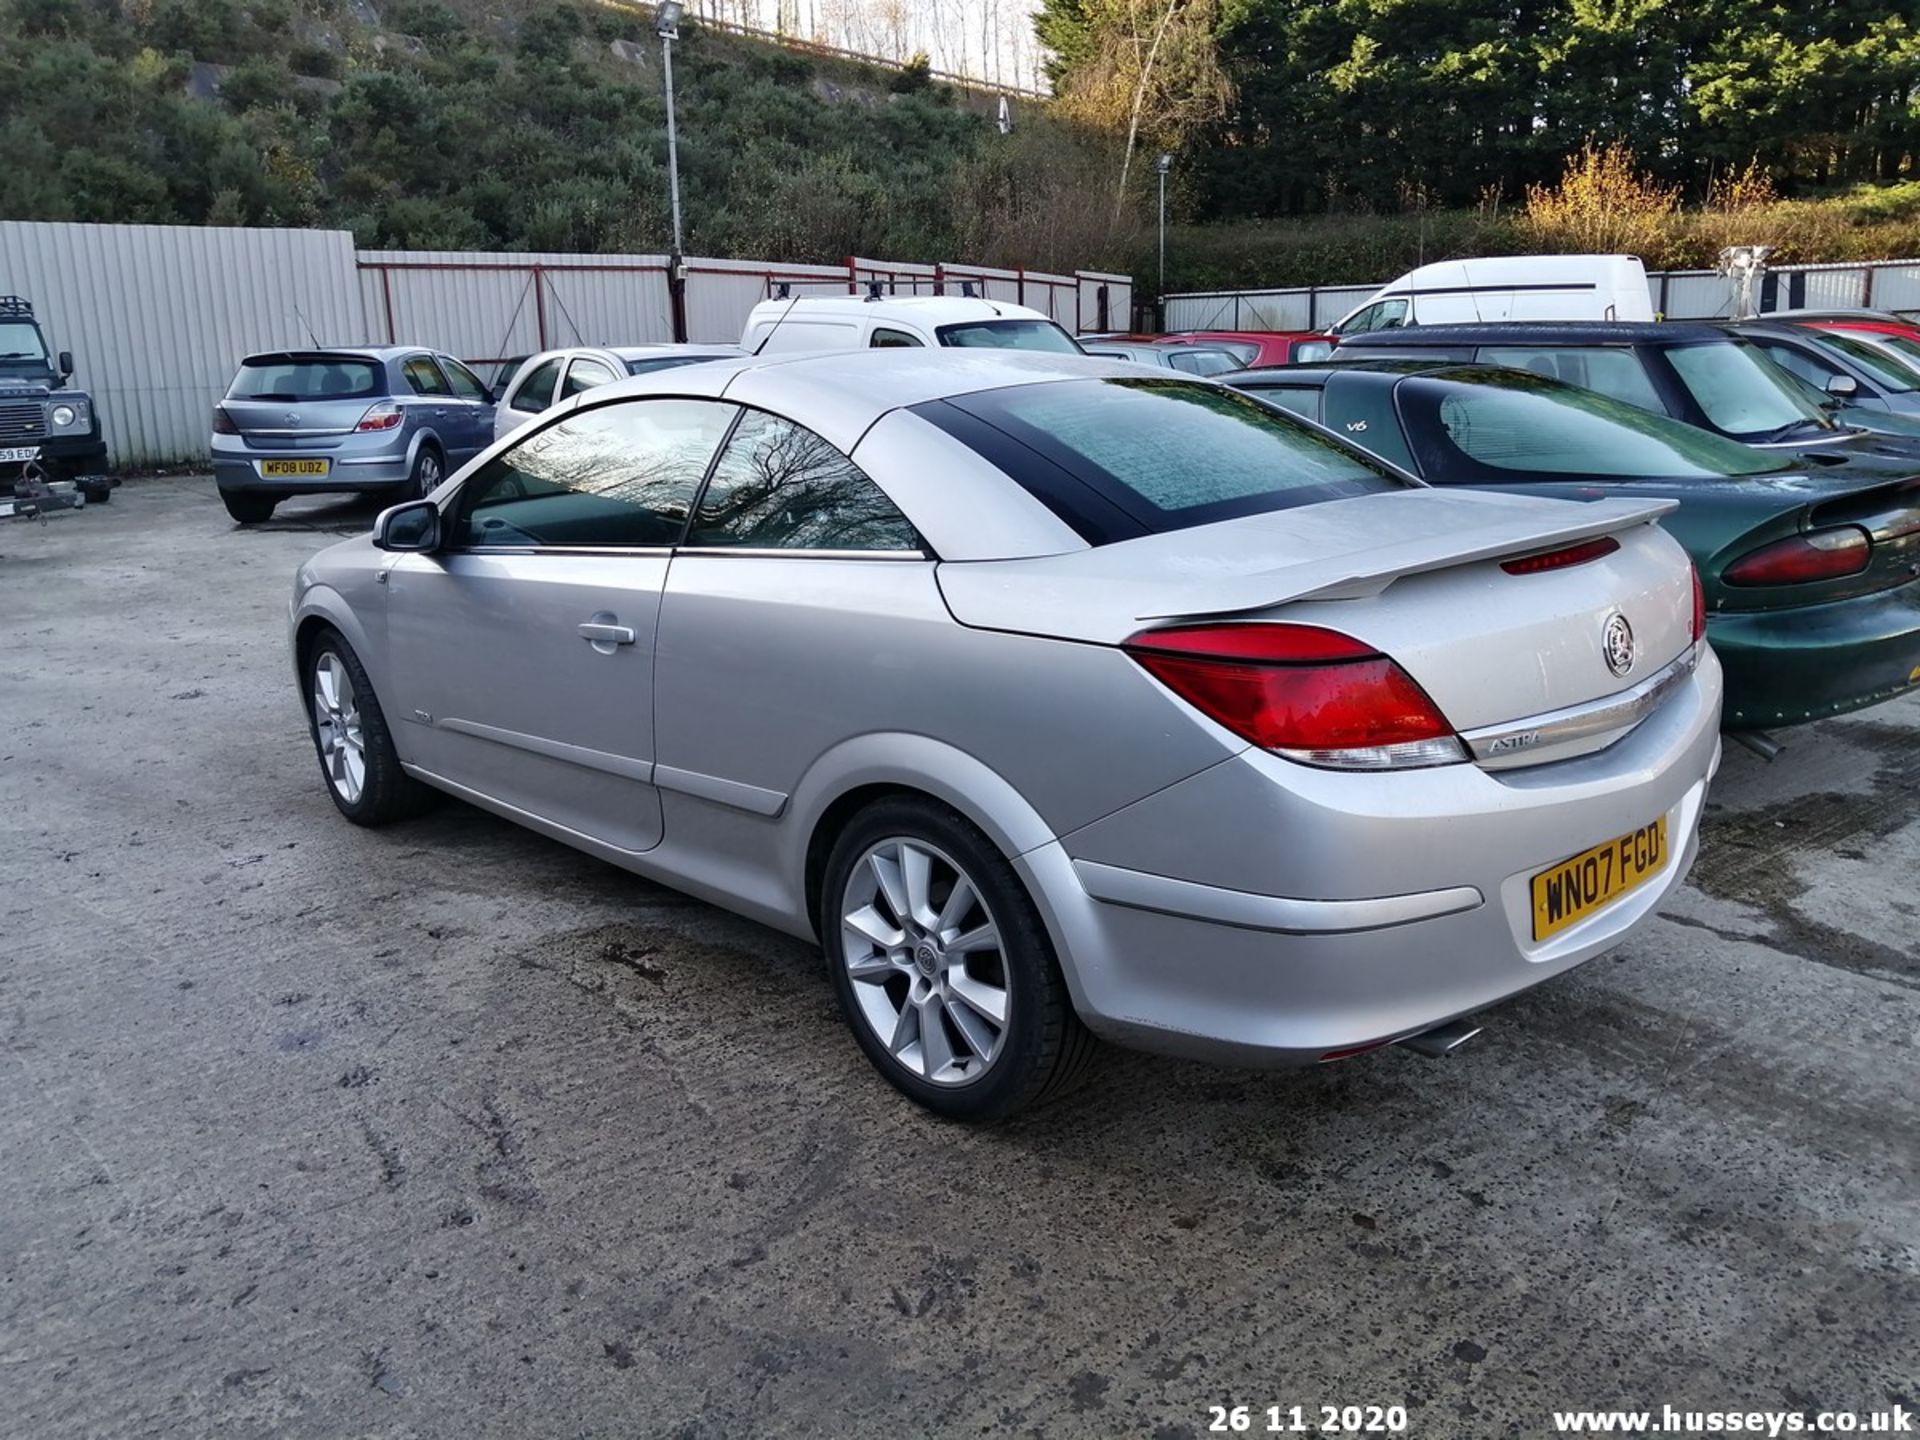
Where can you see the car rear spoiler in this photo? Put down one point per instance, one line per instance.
(1355, 577)
(1341, 549)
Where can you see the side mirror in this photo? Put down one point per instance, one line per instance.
(1842, 387)
(65, 362)
(412, 528)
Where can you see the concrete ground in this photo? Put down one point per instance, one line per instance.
(446, 1130)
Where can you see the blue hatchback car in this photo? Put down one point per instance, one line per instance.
(391, 419)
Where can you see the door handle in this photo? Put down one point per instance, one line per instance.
(607, 634)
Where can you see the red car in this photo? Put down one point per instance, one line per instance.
(1254, 347)
(1873, 322)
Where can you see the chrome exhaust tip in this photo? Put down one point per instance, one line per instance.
(1441, 1040)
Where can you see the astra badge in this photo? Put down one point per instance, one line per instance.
(1616, 643)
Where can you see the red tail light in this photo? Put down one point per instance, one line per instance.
(223, 422)
(1311, 694)
(1559, 559)
(1817, 555)
(1699, 604)
(384, 416)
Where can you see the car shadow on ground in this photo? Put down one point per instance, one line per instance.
(326, 514)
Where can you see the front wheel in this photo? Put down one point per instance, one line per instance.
(943, 967)
(350, 734)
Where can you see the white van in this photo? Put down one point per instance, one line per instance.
(851, 322)
(1508, 287)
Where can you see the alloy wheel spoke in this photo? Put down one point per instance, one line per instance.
(872, 969)
(981, 937)
(981, 1037)
(959, 902)
(886, 873)
(987, 1001)
(906, 1034)
(916, 869)
(868, 923)
(935, 1047)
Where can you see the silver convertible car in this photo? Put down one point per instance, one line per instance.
(1054, 697)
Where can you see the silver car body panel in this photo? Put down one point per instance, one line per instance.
(1205, 897)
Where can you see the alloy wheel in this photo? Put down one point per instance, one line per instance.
(925, 956)
(426, 472)
(336, 721)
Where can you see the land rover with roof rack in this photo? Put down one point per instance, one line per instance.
(48, 428)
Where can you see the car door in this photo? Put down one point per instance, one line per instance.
(529, 397)
(758, 642)
(473, 406)
(430, 405)
(523, 650)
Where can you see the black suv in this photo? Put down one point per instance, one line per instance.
(44, 422)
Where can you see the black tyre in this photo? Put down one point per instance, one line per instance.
(249, 507)
(429, 469)
(98, 491)
(943, 967)
(350, 735)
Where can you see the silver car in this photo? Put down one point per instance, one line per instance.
(543, 380)
(1053, 698)
(395, 419)
(1187, 359)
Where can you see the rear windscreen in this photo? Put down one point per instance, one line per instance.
(1116, 458)
(319, 377)
(1010, 335)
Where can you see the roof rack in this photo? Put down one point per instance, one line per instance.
(12, 307)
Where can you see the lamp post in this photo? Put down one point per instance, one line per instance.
(1163, 165)
(666, 24)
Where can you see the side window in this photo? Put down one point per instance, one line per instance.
(1381, 315)
(423, 377)
(1610, 370)
(1201, 362)
(465, 383)
(620, 474)
(536, 391)
(1302, 400)
(1814, 371)
(584, 375)
(779, 486)
(885, 339)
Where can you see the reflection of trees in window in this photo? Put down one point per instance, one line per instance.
(779, 485)
(641, 461)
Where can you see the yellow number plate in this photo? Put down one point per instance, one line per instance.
(1567, 893)
(294, 467)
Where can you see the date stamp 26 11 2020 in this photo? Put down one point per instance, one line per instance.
(1307, 1419)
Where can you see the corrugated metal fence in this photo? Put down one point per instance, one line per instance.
(157, 316)
(1677, 295)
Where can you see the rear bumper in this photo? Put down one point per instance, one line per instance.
(359, 462)
(342, 475)
(1263, 914)
(1786, 667)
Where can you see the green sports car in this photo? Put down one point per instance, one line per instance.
(1810, 560)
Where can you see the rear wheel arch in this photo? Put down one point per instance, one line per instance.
(860, 772)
